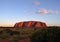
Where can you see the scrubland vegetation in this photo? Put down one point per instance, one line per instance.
(49, 34)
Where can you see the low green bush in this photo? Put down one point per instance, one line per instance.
(4, 36)
(46, 35)
(1, 32)
(11, 32)
(15, 33)
(14, 39)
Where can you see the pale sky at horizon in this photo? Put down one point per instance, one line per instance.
(12, 11)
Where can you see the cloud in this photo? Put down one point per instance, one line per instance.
(36, 3)
(45, 11)
(53, 12)
(42, 11)
(29, 11)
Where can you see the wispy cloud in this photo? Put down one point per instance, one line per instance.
(36, 3)
(29, 11)
(43, 11)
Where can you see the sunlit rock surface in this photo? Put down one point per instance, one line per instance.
(30, 24)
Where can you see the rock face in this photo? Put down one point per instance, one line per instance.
(30, 24)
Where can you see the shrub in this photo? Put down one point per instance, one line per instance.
(22, 37)
(4, 36)
(14, 33)
(46, 35)
(1, 32)
(14, 39)
(7, 30)
(11, 32)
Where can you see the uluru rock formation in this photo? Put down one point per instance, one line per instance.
(30, 24)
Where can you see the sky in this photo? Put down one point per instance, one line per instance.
(12, 11)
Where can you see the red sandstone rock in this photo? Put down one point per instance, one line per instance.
(36, 24)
